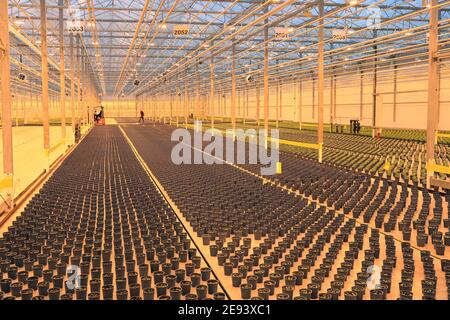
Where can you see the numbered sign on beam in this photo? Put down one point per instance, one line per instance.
(75, 24)
(282, 33)
(340, 34)
(180, 30)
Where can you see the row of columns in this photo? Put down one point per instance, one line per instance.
(76, 102)
(433, 92)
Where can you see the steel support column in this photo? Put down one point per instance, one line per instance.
(8, 168)
(266, 76)
(62, 74)
(44, 76)
(433, 86)
(233, 90)
(72, 85)
(321, 81)
(211, 94)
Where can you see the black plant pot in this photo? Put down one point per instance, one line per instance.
(54, 293)
(23, 277)
(264, 293)
(37, 270)
(94, 296)
(108, 292)
(5, 285)
(135, 290)
(146, 282)
(108, 278)
(180, 274)
(190, 268)
(158, 276)
(58, 281)
(236, 279)
(43, 288)
(325, 296)
(406, 295)
(121, 284)
(149, 294)
(205, 273)
(122, 294)
(16, 289)
(283, 296)
(170, 280)
(132, 278)
(48, 275)
(202, 292)
(161, 289)
(314, 290)
(269, 284)
(107, 266)
(289, 290)
(67, 296)
(334, 292)
(12, 272)
(213, 250)
(350, 295)
(175, 293)
(219, 296)
(191, 296)
(81, 293)
(196, 279)
(253, 281)
(246, 291)
(376, 294)
(212, 286)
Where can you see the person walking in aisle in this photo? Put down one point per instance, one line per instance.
(142, 117)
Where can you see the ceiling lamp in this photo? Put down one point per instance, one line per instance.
(163, 26)
(353, 2)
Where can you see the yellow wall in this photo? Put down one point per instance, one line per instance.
(119, 108)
